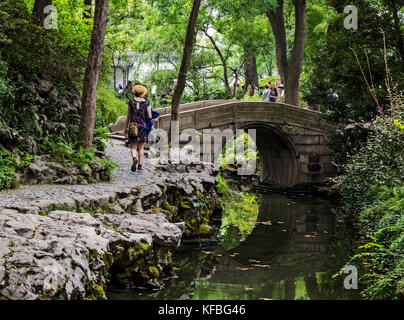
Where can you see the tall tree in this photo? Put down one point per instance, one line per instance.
(290, 68)
(186, 59)
(223, 61)
(250, 69)
(38, 11)
(88, 102)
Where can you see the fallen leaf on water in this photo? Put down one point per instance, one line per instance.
(284, 230)
(243, 269)
(142, 288)
(219, 255)
(254, 261)
(176, 269)
(207, 252)
(261, 265)
(249, 289)
(234, 255)
(266, 223)
(266, 299)
(280, 222)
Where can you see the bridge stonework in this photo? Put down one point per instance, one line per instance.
(290, 140)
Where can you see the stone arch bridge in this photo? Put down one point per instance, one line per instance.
(290, 139)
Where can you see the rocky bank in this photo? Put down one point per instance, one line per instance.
(71, 241)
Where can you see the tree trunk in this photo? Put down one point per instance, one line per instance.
(278, 28)
(224, 63)
(250, 69)
(186, 59)
(289, 70)
(236, 78)
(114, 78)
(88, 102)
(395, 7)
(38, 11)
(292, 85)
(87, 13)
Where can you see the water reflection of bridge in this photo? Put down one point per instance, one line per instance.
(293, 258)
(295, 245)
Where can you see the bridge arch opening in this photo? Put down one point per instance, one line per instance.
(278, 155)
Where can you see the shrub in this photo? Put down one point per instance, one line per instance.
(379, 163)
(109, 105)
(372, 186)
(240, 211)
(100, 138)
(10, 165)
(381, 257)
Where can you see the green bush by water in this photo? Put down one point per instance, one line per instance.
(381, 255)
(372, 186)
(240, 212)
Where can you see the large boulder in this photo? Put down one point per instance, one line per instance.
(39, 172)
(118, 126)
(66, 255)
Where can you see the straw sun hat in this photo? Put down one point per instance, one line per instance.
(140, 90)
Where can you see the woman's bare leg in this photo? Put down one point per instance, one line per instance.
(133, 149)
(141, 152)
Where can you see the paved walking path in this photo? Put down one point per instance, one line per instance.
(41, 196)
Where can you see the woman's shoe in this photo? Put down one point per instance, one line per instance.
(140, 167)
(134, 165)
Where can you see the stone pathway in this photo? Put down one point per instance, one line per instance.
(48, 253)
(41, 196)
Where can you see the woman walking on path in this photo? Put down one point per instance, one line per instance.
(138, 109)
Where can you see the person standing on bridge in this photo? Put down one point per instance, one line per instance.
(266, 93)
(136, 125)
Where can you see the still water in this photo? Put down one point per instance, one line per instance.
(295, 248)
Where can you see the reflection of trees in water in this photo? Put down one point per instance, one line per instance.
(299, 246)
(297, 243)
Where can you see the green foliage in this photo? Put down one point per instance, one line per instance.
(10, 165)
(372, 186)
(109, 105)
(379, 163)
(100, 138)
(240, 212)
(381, 256)
(230, 159)
(255, 97)
(6, 86)
(263, 82)
(331, 63)
(70, 154)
